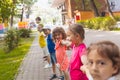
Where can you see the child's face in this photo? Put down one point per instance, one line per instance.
(58, 36)
(101, 68)
(72, 37)
(46, 31)
(37, 21)
(39, 28)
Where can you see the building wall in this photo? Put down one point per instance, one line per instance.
(114, 13)
(70, 6)
(86, 15)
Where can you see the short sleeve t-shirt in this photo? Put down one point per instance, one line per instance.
(75, 63)
(50, 44)
(42, 41)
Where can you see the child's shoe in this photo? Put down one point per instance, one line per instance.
(48, 66)
(61, 78)
(53, 77)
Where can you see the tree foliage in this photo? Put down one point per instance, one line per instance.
(6, 9)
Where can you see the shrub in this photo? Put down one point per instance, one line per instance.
(24, 33)
(11, 40)
(117, 18)
(102, 23)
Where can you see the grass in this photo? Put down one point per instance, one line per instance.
(10, 62)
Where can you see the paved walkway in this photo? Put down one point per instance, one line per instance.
(32, 67)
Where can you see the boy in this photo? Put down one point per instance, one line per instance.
(42, 42)
(51, 49)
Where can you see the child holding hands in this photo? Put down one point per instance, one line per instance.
(59, 37)
(76, 35)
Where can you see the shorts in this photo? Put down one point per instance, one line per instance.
(45, 51)
(53, 58)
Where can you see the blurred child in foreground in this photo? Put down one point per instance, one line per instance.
(103, 61)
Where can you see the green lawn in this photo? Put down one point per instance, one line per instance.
(10, 62)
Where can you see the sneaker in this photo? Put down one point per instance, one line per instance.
(53, 77)
(48, 66)
(61, 78)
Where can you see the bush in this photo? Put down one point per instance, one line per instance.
(101, 23)
(108, 23)
(11, 40)
(24, 33)
(117, 18)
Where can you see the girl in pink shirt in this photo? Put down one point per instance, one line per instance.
(75, 34)
(59, 37)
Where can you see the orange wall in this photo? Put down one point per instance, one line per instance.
(86, 15)
(115, 14)
(89, 14)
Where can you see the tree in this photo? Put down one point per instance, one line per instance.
(109, 10)
(28, 4)
(83, 4)
(5, 9)
(93, 5)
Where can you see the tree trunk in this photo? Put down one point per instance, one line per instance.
(83, 5)
(21, 19)
(96, 13)
(109, 10)
(12, 15)
(11, 20)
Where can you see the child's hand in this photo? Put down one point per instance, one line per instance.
(66, 42)
(85, 70)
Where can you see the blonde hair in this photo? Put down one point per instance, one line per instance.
(40, 25)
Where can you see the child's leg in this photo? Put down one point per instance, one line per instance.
(46, 54)
(66, 75)
(48, 59)
(53, 61)
(54, 68)
(60, 72)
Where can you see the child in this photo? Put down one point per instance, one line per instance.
(43, 45)
(103, 61)
(51, 49)
(38, 20)
(42, 41)
(75, 34)
(59, 37)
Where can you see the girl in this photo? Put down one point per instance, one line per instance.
(103, 61)
(59, 37)
(75, 34)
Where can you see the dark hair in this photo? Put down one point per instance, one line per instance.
(107, 49)
(38, 18)
(59, 30)
(77, 28)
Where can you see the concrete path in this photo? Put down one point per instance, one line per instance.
(32, 67)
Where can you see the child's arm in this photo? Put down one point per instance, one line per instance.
(84, 68)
